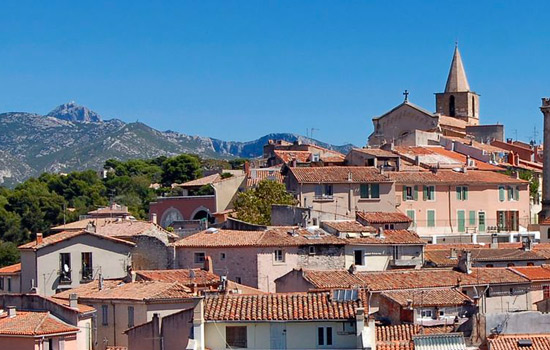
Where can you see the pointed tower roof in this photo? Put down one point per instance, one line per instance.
(457, 81)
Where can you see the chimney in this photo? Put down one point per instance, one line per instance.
(208, 265)
(454, 254)
(417, 160)
(247, 168)
(527, 243)
(73, 301)
(155, 322)
(465, 262)
(11, 311)
(350, 176)
(90, 227)
(494, 241)
(198, 324)
(467, 160)
(359, 320)
(381, 232)
(39, 238)
(409, 304)
(100, 282)
(154, 218)
(352, 269)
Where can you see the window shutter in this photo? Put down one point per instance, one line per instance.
(415, 193)
(318, 191)
(510, 193)
(501, 193)
(431, 218)
(425, 193)
(517, 193)
(375, 191)
(404, 193)
(465, 193)
(458, 194)
(472, 215)
(364, 190)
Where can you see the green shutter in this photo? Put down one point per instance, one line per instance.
(458, 194)
(410, 214)
(461, 221)
(425, 193)
(517, 193)
(501, 193)
(364, 190)
(464, 193)
(510, 192)
(404, 193)
(472, 217)
(415, 193)
(431, 218)
(375, 190)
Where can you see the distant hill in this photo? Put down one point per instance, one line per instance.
(73, 137)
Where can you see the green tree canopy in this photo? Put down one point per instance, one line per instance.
(254, 205)
(180, 169)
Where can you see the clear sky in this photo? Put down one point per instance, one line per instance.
(236, 70)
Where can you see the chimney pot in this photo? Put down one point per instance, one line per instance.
(11, 311)
(39, 238)
(73, 300)
(208, 265)
(154, 218)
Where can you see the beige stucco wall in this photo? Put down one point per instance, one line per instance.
(84, 338)
(378, 257)
(480, 198)
(227, 189)
(299, 335)
(108, 258)
(15, 284)
(27, 343)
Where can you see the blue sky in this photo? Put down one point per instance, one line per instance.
(236, 70)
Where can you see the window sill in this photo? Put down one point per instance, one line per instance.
(369, 199)
(279, 263)
(323, 199)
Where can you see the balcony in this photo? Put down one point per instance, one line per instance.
(87, 274)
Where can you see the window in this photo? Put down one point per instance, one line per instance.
(489, 265)
(410, 193)
(441, 313)
(238, 280)
(472, 218)
(508, 220)
(104, 315)
(1, 283)
(130, 316)
(358, 257)
(311, 250)
(481, 221)
(236, 337)
(65, 267)
(324, 336)
(323, 191)
(429, 193)
(431, 217)
(370, 191)
(426, 313)
(546, 292)
(462, 193)
(513, 193)
(452, 111)
(501, 193)
(279, 255)
(222, 256)
(411, 215)
(9, 284)
(342, 295)
(87, 270)
(473, 106)
(199, 258)
(389, 226)
(396, 252)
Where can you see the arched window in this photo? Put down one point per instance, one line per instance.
(473, 106)
(452, 111)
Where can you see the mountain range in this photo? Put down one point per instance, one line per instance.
(73, 137)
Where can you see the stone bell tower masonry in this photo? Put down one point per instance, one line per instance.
(545, 212)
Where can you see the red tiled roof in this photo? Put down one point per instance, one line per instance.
(428, 298)
(461, 158)
(66, 235)
(468, 246)
(378, 217)
(389, 237)
(410, 279)
(183, 276)
(11, 269)
(338, 174)
(399, 337)
(471, 177)
(377, 152)
(442, 258)
(510, 342)
(279, 307)
(534, 273)
(118, 290)
(288, 156)
(116, 227)
(258, 174)
(347, 226)
(272, 237)
(27, 323)
(82, 308)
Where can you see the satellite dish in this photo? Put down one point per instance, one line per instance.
(66, 268)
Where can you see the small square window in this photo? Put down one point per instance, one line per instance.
(311, 250)
(238, 280)
(278, 255)
(199, 258)
(222, 256)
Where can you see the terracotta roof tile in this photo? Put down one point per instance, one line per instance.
(118, 290)
(116, 227)
(66, 235)
(347, 226)
(288, 156)
(399, 337)
(258, 174)
(461, 158)
(378, 217)
(338, 174)
(534, 273)
(27, 323)
(429, 297)
(11, 269)
(279, 307)
(389, 237)
(442, 258)
(272, 237)
(182, 276)
(471, 177)
(377, 152)
(510, 342)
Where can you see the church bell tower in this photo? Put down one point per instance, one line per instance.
(458, 100)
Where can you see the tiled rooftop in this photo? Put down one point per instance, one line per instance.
(429, 297)
(534, 273)
(442, 258)
(116, 228)
(183, 276)
(511, 342)
(471, 177)
(11, 269)
(27, 323)
(378, 217)
(338, 174)
(347, 226)
(377, 152)
(66, 235)
(272, 237)
(118, 290)
(288, 156)
(389, 237)
(279, 307)
(399, 337)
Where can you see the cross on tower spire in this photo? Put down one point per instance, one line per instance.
(406, 94)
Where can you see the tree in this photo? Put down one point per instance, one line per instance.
(254, 205)
(9, 254)
(182, 168)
